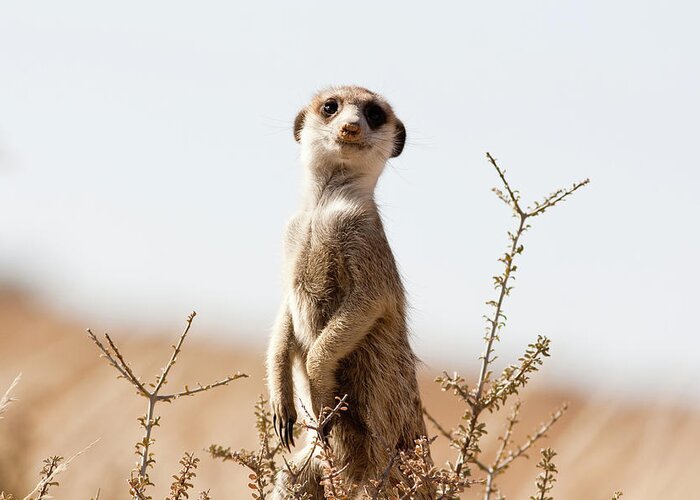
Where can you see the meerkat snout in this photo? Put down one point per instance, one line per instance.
(350, 132)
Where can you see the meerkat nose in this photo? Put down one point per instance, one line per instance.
(350, 131)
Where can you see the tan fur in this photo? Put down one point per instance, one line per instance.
(343, 317)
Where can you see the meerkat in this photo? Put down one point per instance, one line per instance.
(343, 317)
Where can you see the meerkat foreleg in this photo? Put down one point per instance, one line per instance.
(339, 337)
(280, 358)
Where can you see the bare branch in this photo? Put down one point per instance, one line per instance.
(385, 474)
(106, 353)
(492, 471)
(129, 373)
(7, 397)
(139, 478)
(512, 420)
(539, 433)
(332, 412)
(555, 198)
(176, 350)
(200, 388)
(514, 198)
(439, 427)
(481, 465)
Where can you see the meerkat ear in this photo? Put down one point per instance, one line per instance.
(399, 139)
(299, 124)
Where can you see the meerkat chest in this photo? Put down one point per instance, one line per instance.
(317, 276)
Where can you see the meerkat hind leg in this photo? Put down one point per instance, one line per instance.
(309, 478)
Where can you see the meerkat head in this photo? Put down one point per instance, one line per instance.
(349, 126)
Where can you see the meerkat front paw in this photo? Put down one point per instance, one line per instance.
(322, 397)
(284, 416)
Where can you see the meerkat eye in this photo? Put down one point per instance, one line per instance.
(330, 107)
(376, 117)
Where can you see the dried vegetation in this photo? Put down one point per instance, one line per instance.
(470, 469)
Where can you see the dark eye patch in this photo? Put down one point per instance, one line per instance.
(376, 117)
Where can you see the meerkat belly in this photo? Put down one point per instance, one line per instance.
(318, 288)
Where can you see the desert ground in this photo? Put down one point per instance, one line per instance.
(68, 397)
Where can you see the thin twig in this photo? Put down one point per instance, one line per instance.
(437, 425)
(385, 473)
(505, 440)
(200, 388)
(108, 355)
(514, 198)
(7, 397)
(495, 322)
(540, 433)
(481, 465)
(132, 377)
(148, 426)
(556, 197)
(176, 350)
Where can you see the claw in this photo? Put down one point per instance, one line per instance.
(290, 430)
(285, 437)
(274, 424)
(279, 429)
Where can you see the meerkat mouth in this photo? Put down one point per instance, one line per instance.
(351, 144)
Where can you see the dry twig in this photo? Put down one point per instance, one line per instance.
(7, 397)
(547, 478)
(488, 393)
(139, 478)
(53, 466)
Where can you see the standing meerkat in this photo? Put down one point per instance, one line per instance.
(343, 318)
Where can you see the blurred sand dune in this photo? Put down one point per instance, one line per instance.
(68, 397)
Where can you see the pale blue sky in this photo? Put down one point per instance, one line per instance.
(147, 166)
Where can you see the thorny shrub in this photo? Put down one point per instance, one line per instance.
(470, 469)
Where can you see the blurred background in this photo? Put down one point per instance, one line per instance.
(147, 168)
